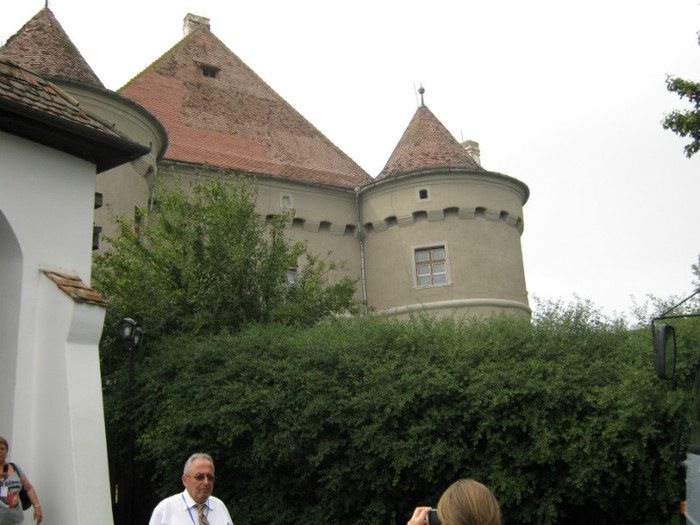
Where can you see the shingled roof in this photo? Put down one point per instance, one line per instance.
(34, 108)
(426, 145)
(44, 47)
(219, 112)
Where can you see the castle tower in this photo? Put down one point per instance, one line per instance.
(44, 47)
(442, 234)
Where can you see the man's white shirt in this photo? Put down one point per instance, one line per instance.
(180, 510)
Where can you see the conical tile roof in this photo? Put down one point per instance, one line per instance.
(426, 145)
(44, 47)
(218, 111)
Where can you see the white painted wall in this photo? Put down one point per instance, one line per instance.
(49, 343)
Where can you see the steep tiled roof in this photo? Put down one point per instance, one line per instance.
(36, 109)
(44, 47)
(425, 145)
(235, 120)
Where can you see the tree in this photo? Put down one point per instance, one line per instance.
(206, 262)
(685, 123)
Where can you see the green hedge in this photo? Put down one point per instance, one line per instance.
(356, 422)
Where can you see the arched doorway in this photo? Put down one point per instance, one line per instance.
(10, 299)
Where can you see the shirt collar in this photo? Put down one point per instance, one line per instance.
(190, 502)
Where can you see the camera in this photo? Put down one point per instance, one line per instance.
(432, 518)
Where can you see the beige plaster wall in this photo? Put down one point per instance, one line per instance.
(324, 218)
(127, 186)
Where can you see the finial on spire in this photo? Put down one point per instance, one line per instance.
(421, 90)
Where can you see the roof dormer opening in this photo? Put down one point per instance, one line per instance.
(209, 71)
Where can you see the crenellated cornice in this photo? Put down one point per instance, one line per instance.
(470, 212)
(380, 225)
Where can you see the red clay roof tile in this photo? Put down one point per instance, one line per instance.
(76, 288)
(235, 121)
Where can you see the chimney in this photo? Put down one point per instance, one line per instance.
(193, 22)
(472, 148)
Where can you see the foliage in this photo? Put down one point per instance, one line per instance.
(207, 262)
(687, 303)
(359, 421)
(696, 272)
(685, 123)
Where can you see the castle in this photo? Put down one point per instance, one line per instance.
(434, 231)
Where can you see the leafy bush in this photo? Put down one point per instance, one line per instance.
(359, 421)
(203, 260)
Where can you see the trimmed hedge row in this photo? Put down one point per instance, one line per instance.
(358, 421)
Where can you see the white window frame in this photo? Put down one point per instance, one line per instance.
(286, 201)
(291, 275)
(446, 261)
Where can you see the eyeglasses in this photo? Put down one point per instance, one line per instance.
(200, 477)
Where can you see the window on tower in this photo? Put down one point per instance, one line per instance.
(431, 266)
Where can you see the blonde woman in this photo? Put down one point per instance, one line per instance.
(465, 502)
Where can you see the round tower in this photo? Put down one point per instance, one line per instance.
(42, 46)
(441, 233)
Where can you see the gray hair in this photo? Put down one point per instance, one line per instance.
(189, 461)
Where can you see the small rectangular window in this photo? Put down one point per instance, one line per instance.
(423, 194)
(286, 201)
(291, 276)
(209, 71)
(96, 230)
(139, 219)
(431, 266)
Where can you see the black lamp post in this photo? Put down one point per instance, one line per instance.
(132, 335)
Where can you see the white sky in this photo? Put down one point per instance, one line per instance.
(565, 96)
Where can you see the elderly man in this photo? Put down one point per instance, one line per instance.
(195, 505)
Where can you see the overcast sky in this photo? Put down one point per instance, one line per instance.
(565, 96)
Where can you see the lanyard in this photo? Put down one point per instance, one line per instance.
(189, 510)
